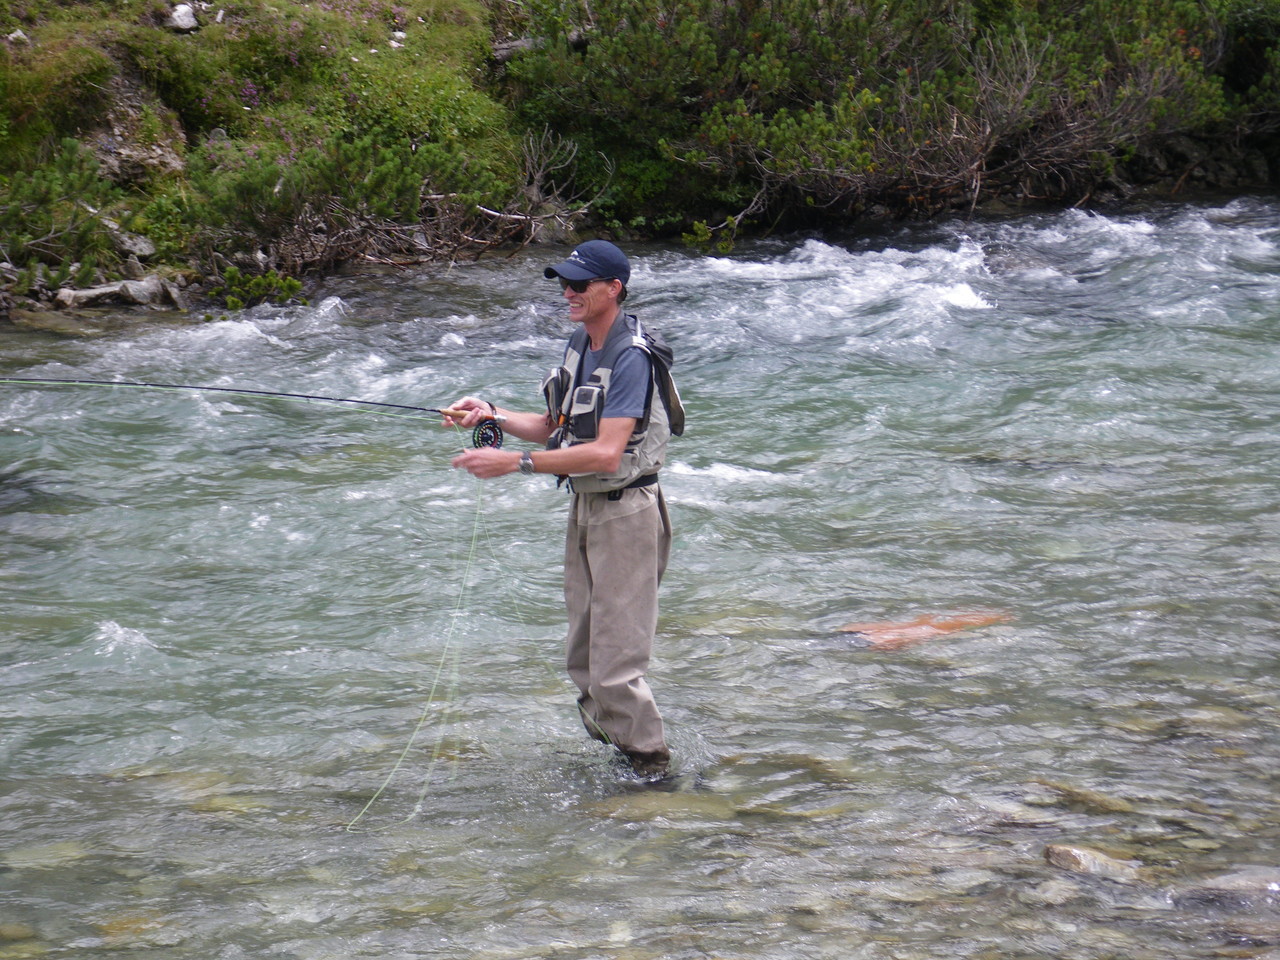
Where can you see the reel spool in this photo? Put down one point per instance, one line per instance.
(487, 433)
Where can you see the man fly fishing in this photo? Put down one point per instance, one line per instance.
(611, 408)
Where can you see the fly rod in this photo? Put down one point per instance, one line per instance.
(487, 433)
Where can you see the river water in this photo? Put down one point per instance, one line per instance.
(278, 682)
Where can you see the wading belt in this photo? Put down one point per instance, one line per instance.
(648, 480)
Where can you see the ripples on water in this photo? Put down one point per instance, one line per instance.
(225, 618)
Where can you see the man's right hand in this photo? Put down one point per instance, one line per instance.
(472, 409)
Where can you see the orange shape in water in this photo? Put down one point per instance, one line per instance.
(891, 634)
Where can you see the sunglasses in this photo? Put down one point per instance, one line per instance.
(580, 286)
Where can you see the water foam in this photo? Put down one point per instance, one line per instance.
(111, 639)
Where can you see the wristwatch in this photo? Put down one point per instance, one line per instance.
(526, 462)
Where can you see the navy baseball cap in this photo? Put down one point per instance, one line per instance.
(593, 260)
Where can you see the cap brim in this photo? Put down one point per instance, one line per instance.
(568, 270)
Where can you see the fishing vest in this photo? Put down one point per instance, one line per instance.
(575, 406)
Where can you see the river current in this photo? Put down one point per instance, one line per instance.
(275, 681)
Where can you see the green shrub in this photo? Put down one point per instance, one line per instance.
(341, 199)
(419, 102)
(914, 101)
(53, 214)
(170, 219)
(239, 290)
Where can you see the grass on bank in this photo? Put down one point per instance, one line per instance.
(303, 134)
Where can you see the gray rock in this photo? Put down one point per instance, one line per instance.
(69, 299)
(1051, 893)
(132, 269)
(183, 19)
(174, 294)
(138, 140)
(149, 291)
(145, 292)
(131, 244)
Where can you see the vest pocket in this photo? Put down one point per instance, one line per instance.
(584, 412)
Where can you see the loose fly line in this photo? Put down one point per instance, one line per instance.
(487, 433)
(447, 656)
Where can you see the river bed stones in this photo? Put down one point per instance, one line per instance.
(1243, 888)
(1093, 862)
(11, 932)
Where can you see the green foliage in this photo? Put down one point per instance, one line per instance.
(48, 92)
(313, 133)
(403, 99)
(239, 290)
(53, 214)
(170, 220)
(221, 75)
(341, 199)
(249, 191)
(918, 100)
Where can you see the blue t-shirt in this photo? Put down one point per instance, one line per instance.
(629, 385)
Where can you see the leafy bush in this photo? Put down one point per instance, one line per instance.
(54, 214)
(333, 202)
(238, 290)
(913, 102)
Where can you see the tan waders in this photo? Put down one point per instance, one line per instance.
(616, 551)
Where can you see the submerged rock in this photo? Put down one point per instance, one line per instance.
(1091, 800)
(1247, 887)
(1051, 893)
(41, 856)
(9, 932)
(63, 323)
(1092, 862)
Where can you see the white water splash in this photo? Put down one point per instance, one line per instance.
(112, 639)
(963, 295)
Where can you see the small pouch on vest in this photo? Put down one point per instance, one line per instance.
(584, 412)
(554, 387)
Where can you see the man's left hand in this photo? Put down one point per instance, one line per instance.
(487, 462)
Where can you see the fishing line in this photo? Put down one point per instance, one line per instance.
(487, 433)
(448, 656)
(424, 715)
